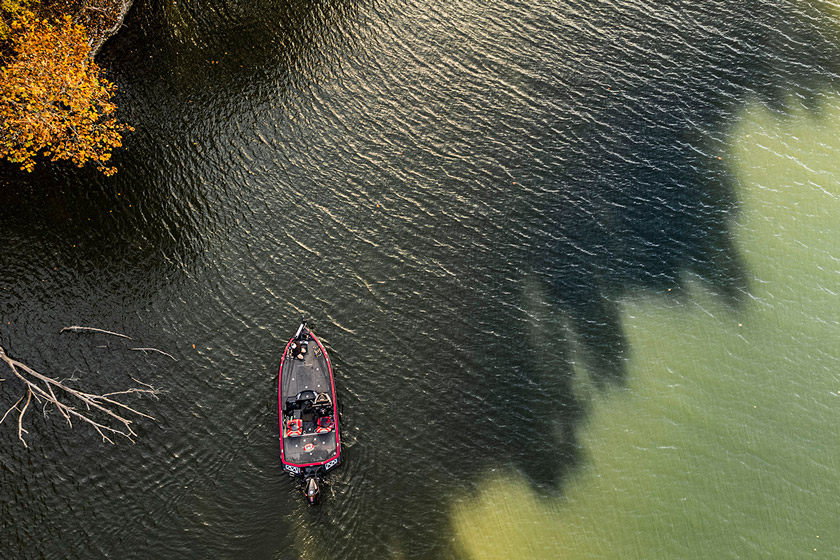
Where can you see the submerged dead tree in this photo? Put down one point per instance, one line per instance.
(105, 412)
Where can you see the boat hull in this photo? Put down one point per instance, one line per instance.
(309, 432)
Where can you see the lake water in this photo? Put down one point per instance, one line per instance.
(575, 265)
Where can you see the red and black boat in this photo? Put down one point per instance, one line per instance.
(309, 440)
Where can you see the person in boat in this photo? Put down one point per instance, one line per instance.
(298, 349)
(323, 414)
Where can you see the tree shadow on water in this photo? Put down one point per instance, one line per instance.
(649, 202)
(646, 203)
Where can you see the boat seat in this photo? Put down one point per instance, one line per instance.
(294, 427)
(325, 425)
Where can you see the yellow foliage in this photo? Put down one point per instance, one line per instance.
(53, 99)
(10, 10)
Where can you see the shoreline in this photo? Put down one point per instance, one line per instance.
(108, 24)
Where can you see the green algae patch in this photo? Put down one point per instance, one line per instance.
(723, 442)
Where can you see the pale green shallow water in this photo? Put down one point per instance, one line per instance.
(724, 443)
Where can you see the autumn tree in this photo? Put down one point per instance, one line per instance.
(54, 100)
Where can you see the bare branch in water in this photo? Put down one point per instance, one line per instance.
(93, 329)
(154, 350)
(108, 416)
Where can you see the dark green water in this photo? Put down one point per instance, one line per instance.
(463, 197)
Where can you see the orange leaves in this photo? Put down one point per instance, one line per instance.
(10, 10)
(53, 99)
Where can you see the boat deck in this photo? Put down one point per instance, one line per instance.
(309, 374)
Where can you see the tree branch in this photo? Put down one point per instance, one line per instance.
(108, 416)
(93, 329)
(11, 408)
(153, 350)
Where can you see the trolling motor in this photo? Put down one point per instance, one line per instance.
(300, 328)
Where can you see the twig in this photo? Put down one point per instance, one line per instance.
(77, 329)
(13, 407)
(20, 418)
(154, 350)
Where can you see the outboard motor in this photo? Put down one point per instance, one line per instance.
(312, 490)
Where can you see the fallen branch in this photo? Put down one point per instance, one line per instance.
(93, 329)
(154, 350)
(75, 404)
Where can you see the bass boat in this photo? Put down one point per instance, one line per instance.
(309, 440)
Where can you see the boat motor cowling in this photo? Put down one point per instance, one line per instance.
(312, 490)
